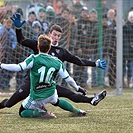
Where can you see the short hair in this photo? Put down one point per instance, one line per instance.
(104, 16)
(7, 20)
(65, 9)
(32, 12)
(44, 43)
(19, 10)
(57, 28)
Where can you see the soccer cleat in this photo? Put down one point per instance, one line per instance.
(81, 113)
(97, 98)
(47, 115)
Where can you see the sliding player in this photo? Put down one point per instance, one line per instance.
(43, 69)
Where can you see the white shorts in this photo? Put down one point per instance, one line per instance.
(39, 105)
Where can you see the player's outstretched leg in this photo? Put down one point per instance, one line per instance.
(31, 113)
(18, 96)
(75, 97)
(64, 104)
(14, 99)
(98, 97)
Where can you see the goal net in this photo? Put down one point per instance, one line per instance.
(92, 36)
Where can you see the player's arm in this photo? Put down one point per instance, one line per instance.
(65, 75)
(32, 44)
(27, 64)
(83, 62)
(11, 67)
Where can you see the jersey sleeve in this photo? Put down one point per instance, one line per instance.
(27, 63)
(11, 67)
(69, 57)
(63, 72)
(65, 75)
(32, 44)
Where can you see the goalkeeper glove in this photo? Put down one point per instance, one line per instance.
(101, 64)
(82, 90)
(16, 19)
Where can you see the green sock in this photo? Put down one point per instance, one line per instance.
(64, 104)
(30, 113)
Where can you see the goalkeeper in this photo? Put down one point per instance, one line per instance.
(61, 53)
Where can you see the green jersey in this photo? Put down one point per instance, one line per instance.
(43, 69)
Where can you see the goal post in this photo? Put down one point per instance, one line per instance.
(119, 51)
(100, 39)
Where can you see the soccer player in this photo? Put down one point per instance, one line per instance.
(43, 69)
(61, 53)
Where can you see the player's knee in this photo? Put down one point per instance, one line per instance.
(8, 104)
(56, 104)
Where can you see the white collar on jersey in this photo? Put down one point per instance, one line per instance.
(43, 53)
(55, 45)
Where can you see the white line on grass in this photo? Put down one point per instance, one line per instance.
(8, 114)
(117, 109)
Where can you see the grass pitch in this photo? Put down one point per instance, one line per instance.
(112, 115)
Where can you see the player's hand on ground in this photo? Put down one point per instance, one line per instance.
(16, 19)
(82, 90)
(101, 64)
